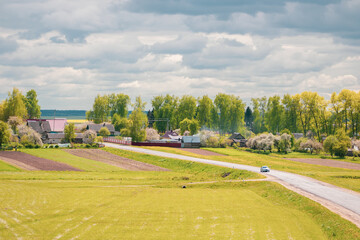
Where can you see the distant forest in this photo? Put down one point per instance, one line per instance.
(70, 114)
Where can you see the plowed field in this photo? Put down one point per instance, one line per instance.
(115, 160)
(29, 162)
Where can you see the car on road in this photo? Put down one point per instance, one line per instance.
(264, 169)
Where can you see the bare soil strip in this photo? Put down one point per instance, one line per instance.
(32, 163)
(114, 160)
(327, 162)
(202, 152)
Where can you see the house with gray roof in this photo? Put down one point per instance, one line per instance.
(97, 127)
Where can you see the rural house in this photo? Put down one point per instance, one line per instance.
(239, 139)
(97, 127)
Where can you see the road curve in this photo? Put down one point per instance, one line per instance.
(347, 202)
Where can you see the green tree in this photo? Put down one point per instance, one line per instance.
(205, 105)
(118, 104)
(194, 127)
(14, 122)
(101, 109)
(232, 111)
(2, 106)
(185, 125)
(256, 116)
(69, 132)
(187, 108)
(31, 103)
(273, 114)
(14, 105)
(330, 144)
(4, 133)
(249, 118)
(104, 132)
(165, 109)
(290, 115)
(139, 121)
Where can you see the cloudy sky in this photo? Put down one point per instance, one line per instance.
(70, 51)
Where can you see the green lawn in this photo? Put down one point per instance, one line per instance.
(345, 178)
(123, 204)
(5, 167)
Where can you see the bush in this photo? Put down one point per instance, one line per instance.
(152, 134)
(104, 132)
(89, 136)
(341, 149)
(330, 144)
(212, 142)
(311, 145)
(56, 146)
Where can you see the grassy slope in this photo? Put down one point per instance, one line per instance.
(5, 167)
(345, 178)
(151, 205)
(89, 210)
(318, 156)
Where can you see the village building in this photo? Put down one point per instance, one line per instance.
(238, 139)
(97, 127)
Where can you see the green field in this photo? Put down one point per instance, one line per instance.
(119, 204)
(346, 178)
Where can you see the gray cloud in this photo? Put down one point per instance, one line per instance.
(70, 51)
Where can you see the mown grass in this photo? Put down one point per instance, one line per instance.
(153, 205)
(108, 210)
(5, 167)
(346, 178)
(201, 171)
(317, 156)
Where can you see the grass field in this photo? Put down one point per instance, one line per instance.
(345, 178)
(119, 204)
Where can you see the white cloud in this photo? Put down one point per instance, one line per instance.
(70, 50)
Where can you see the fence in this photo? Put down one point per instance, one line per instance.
(157, 144)
(126, 141)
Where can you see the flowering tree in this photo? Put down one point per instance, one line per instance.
(152, 134)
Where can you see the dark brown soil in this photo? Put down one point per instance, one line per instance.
(30, 162)
(327, 162)
(115, 160)
(202, 152)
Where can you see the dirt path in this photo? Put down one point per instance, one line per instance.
(32, 163)
(201, 152)
(327, 162)
(114, 160)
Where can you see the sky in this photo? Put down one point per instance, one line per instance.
(69, 51)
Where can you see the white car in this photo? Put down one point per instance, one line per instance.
(264, 169)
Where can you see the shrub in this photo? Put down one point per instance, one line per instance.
(104, 132)
(341, 148)
(298, 143)
(311, 145)
(89, 136)
(28, 135)
(330, 144)
(212, 142)
(152, 134)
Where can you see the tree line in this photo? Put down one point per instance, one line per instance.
(305, 112)
(225, 113)
(19, 105)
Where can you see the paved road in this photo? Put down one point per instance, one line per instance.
(341, 197)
